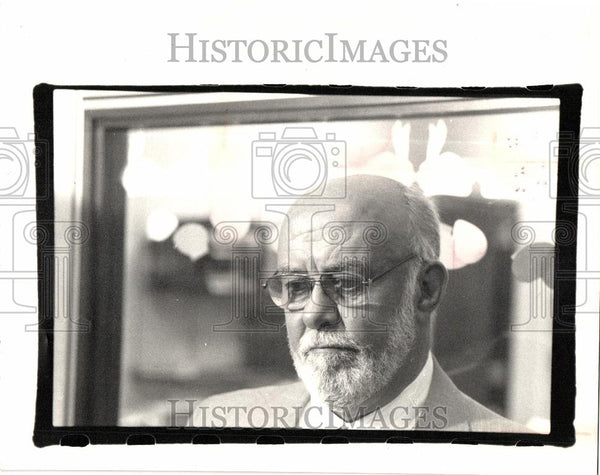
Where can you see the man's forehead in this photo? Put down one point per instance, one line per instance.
(372, 216)
(329, 230)
(326, 239)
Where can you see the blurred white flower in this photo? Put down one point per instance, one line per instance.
(462, 244)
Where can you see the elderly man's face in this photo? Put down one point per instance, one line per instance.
(346, 351)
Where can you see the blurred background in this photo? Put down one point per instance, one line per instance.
(193, 320)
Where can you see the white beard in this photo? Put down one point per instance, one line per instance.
(343, 379)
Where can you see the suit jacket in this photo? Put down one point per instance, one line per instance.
(281, 406)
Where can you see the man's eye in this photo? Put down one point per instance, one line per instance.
(347, 282)
(297, 286)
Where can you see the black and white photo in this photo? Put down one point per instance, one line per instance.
(306, 261)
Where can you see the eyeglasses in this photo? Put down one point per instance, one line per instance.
(292, 290)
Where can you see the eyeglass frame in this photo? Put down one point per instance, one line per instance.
(310, 275)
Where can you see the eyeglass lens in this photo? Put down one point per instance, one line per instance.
(293, 291)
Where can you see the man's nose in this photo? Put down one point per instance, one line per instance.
(321, 310)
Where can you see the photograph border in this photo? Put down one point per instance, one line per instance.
(562, 431)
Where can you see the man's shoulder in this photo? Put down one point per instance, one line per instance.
(483, 419)
(276, 394)
(463, 413)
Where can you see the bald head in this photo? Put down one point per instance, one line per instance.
(376, 212)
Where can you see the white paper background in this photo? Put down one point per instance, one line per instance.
(126, 43)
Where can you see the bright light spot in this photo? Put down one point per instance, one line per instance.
(446, 174)
(136, 144)
(470, 244)
(401, 139)
(462, 244)
(192, 240)
(443, 173)
(160, 225)
(143, 178)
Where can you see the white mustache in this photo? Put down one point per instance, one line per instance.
(316, 339)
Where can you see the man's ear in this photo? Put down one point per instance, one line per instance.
(432, 284)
